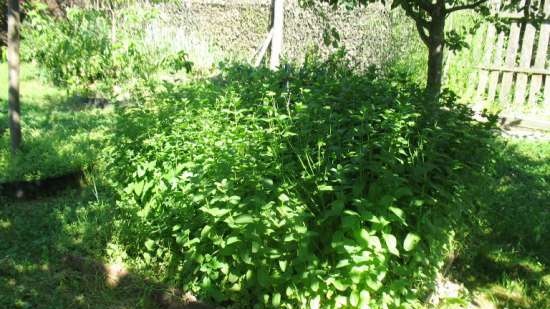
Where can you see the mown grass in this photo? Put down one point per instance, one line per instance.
(60, 135)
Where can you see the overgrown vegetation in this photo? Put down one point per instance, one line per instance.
(314, 186)
(307, 187)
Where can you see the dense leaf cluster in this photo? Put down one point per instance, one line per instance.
(310, 187)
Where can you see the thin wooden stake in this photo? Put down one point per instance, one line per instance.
(484, 75)
(494, 75)
(263, 49)
(511, 55)
(278, 28)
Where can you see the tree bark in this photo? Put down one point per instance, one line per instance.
(436, 47)
(14, 111)
(277, 40)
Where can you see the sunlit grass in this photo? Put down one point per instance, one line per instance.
(58, 135)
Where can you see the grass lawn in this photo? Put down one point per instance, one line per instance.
(35, 236)
(509, 264)
(59, 136)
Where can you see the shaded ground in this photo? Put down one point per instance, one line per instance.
(35, 237)
(508, 264)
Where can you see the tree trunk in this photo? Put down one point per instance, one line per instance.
(436, 47)
(277, 40)
(14, 112)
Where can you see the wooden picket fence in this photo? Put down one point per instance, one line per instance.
(515, 70)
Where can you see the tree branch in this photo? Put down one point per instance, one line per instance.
(426, 5)
(422, 32)
(417, 16)
(465, 6)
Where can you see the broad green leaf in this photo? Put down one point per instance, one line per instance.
(374, 242)
(411, 240)
(283, 198)
(244, 219)
(282, 265)
(215, 212)
(234, 200)
(399, 213)
(391, 243)
(339, 285)
(354, 298)
(231, 240)
(276, 300)
(205, 230)
(325, 188)
(315, 303)
(364, 300)
(149, 244)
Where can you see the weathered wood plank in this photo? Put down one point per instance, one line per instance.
(510, 62)
(487, 55)
(524, 63)
(540, 58)
(494, 75)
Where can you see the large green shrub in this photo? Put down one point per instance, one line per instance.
(309, 187)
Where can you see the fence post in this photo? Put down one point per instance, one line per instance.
(277, 39)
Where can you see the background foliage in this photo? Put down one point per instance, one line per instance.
(86, 55)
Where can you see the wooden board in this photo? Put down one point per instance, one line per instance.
(487, 55)
(540, 60)
(494, 75)
(524, 63)
(510, 62)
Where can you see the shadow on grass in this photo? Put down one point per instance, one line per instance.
(35, 235)
(509, 260)
(38, 236)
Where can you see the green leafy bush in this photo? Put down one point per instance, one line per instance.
(75, 52)
(310, 187)
(85, 55)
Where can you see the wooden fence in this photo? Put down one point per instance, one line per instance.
(515, 62)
